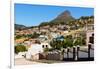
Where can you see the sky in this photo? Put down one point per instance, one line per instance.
(33, 15)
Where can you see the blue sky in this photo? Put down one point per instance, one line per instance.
(33, 15)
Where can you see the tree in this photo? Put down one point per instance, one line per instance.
(34, 35)
(18, 36)
(44, 24)
(68, 42)
(80, 41)
(56, 44)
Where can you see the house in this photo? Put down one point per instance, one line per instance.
(62, 27)
(35, 49)
(90, 34)
(61, 38)
(42, 38)
(55, 35)
(90, 37)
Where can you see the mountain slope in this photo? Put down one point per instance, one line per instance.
(63, 17)
(18, 26)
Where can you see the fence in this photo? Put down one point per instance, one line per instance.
(54, 56)
(76, 53)
(79, 53)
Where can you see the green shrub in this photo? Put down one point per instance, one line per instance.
(20, 48)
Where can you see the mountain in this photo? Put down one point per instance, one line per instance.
(19, 27)
(63, 17)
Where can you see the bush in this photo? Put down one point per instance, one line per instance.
(20, 48)
(46, 49)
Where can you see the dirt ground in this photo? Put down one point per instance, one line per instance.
(23, 61)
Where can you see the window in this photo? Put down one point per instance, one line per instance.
(42, 46)
(91, 40)
(46, 46)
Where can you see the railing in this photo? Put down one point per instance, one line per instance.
(79, 53)
(75, 53)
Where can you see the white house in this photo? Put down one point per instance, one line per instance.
(35, 49)
(55, 35)
(43, 38)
